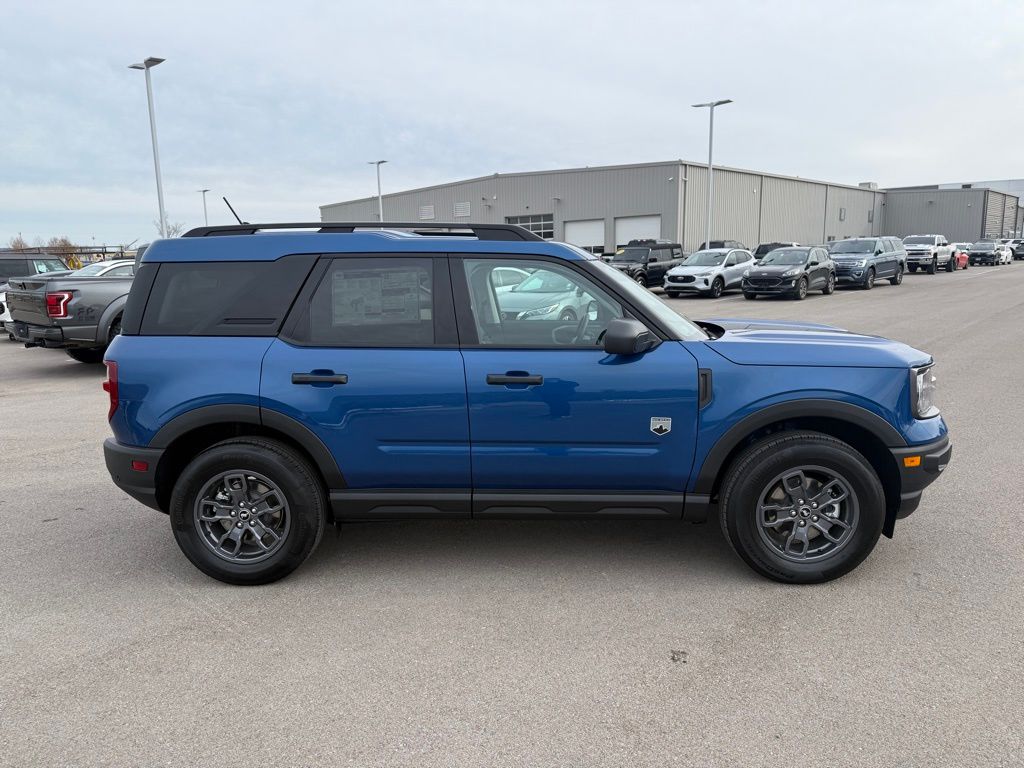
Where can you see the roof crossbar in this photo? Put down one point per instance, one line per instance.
(481, 231)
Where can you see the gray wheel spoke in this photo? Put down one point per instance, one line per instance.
(263, 532)
(226, 536)
(795, 484)
(825, 494)
(237, 485)
(798, 536)
(826, 529)
(220, 511)
(781, 512)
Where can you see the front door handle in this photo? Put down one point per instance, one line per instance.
(319, 378)
(504, 379)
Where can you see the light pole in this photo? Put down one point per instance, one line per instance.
(206, 220)
(380, 199)
(145, 66)
(711, 144)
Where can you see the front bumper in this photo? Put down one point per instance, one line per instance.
(778, 288)
(922, 259)
(697, 286)
(140, 484)
(919, 466)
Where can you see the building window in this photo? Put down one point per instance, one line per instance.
(542, 224)
(426, 212)
(462, 210)
(842, 214)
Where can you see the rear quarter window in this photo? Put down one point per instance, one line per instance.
(223, 298)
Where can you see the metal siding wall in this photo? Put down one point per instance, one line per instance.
(957, 214)
(736, 207)
(583, 194)
(1009, 215)
(792, 211)
(994, 214)
(858, 204)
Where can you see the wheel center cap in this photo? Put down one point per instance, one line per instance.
(244, 515)
(804, 511)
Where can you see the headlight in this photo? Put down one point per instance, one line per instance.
(746, 273)
(791, 272)
(922, 391)
(702, 274)
(539, 312)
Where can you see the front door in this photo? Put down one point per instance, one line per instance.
(557, 425)
(369, 362)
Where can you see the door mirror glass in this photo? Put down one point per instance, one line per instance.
(626, 336)
(652, 259)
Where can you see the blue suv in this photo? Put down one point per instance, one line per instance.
(268, 382)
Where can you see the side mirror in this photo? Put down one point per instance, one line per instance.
(652, 259)
(878, 251)
(628, 337)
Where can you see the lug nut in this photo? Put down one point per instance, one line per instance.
(814, 505)
(814, 518)
(239, 525)
(803, 523)
(792, 513)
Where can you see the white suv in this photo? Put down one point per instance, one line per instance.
(709, 272)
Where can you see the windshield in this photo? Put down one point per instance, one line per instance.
(854, 246)
(786, 256)
(705, 259)
(983, 247)
(919, 241)
(631, 255)
(48, 265)
(90, 269)
(543, 281)
(678, 325)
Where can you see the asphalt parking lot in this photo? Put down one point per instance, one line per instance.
(526, 643)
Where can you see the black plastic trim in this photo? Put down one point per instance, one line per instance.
(481, 231)
(400, 504)
(582, 503)
(831, 409)
(141, 486)
(705, 391)
(138, 296)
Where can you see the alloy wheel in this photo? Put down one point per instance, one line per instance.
(242, 516)
(807, 513)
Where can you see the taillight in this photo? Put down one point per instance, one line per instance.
(57, 303)
(110, 387)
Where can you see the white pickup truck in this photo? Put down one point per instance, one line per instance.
(929, 252)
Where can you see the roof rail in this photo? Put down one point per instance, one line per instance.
(481, 231)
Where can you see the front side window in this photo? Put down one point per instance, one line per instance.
(858, 245)
(385, 302)
(554, 307)
(631, 256)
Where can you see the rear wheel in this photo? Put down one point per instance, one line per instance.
(951, 264)
(802, 507)
(898, 277)
(869, 279)
(91, 356)
(717, 286)
(830, 284)
(248, 511)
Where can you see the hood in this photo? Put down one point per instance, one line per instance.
(626, 266)
(773, 270)
(771, 342)
(910, 248)
(684, 269)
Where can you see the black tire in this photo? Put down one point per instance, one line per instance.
(830, 284)
(717, 286)
(912, 267)
(933, 266)
(750, 296)
(801, 289)
(299, 486)
(672, 294)
(641, 279)
(567, 316)
(869, 279)
(90, 356)
(897, 278)
(752, 473)
(951, 265)
(115, 329)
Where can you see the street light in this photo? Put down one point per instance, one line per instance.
(711, 143)
(145, 66)
(380, 200)
(206, 221)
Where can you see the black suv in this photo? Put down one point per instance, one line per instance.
(715, 244)
(647, 261)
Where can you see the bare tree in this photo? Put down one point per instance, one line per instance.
(17, 243)
(172, 228)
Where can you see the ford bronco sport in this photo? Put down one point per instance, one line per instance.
(268, 383)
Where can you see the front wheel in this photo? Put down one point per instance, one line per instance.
(248, 511)
(933, 266)
(869, 279)
(801, 289)
(898, 277)
(802, 507)
(567, 316)
(750, 296)
(672, 294)
(641, 280)
(830, 285)
(90, 356)
(717, 286)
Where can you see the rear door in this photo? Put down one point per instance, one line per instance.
(369, 362)
(558, 425)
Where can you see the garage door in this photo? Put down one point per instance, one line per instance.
(586, 234)
(636, 228)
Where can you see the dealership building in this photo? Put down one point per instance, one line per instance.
(602, 208)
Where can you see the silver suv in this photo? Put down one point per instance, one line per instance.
(709, 272)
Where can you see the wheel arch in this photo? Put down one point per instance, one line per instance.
(863, 430)
(113, 311)
(196, 430)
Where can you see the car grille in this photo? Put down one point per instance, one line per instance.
(764, 282)
(681, 278)
(844, 269)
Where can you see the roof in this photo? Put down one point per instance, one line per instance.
(269, 246)
(590, 168)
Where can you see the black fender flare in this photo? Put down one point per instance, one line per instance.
(261, 417)
(114, 308)
(815, 408)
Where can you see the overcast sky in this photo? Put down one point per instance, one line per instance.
(279, 105)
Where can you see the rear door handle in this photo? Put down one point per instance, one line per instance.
(319, 378)
(506, 378)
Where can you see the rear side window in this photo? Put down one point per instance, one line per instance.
(223, 298)
(13, 268)
(371, 303)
